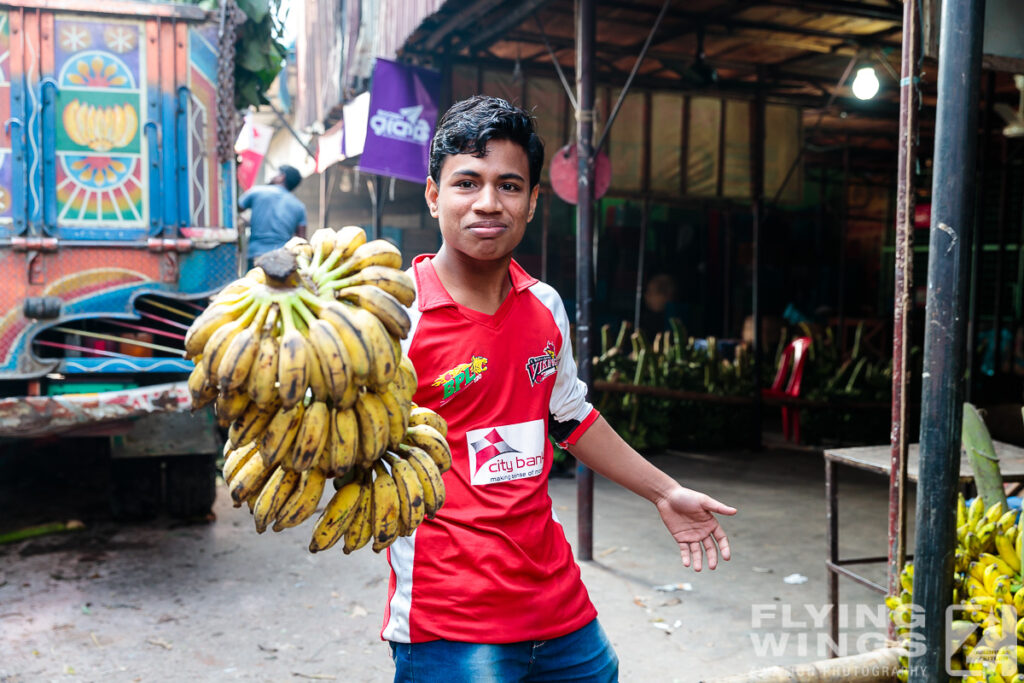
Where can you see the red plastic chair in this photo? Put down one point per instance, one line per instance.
(787, 384)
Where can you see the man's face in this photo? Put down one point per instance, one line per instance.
(484, 203)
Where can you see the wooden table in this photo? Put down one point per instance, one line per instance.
(877, 459)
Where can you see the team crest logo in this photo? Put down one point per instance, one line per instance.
(539, 368)
(506, 453)
(460, 377)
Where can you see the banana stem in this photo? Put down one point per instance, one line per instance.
(324, 275)
(329, 262)
(311, 300)
(303, 312)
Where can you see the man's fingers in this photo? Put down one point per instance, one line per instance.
(698, 557)
(713, 505)
(712, 552)
(684, 552)
(723, 543)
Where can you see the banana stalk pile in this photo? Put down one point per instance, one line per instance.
(302, 360)
(986, 583)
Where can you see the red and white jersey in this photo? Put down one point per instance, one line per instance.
(494, 565)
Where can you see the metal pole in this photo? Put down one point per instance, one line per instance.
(843, 232)
(941, 380)
(902, 294)
(377, 199)
(757, 135)
(997, 299)
(639, 301)
(586, 24)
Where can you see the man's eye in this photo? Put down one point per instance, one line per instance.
(464, 184)
(510, 187)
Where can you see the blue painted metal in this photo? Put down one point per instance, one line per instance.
(227, 183)
(49, 140)
(168, 160)
(152, 132)
(33, 156)
(206, 270)
(18, 188)
(182, 181)
(74, 366)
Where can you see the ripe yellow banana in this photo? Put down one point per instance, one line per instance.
(335, 362)
(372, 417)
(385, 508)
(383, 361)
(975, 511)
(234, 460)
(961, 510)
(217, 346)
(209, 321)
(303, 501)
(311, 439)
(249, 480)
(299, 246)
(398, 414)
(395, 282)
(373, 253)
(337, 315)
(322, 241)
(425, 416)
(238, 359)
(409, 378)
(1005, 568)
(430, 440)
(275, 493)
(279, 437)
(387, 308)
(430, 478)
(346, 241)
(337, 517)
(1004, 546)
(317, 383)
(344, 444)
(202, 391)
(1007, 520)
(250, 425)
(263, 376)
(292, 371)
(411, 508)
(231, 406)
(360, 530)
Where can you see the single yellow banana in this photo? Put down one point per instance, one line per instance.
(975, 511)
(395, 282)
(337, 517)
(387, 308)
(1004, 546)
(344, 444)
(992, 574)
(430, 440)
(338, 316)
(231, 406)
(383, 362)
(346, 241)
(249, 425)
(372, 417)
(994, 512)
(335, 361)
(385, 508)
(263, 376)
(279, 436)
(217, 346)
(961, 510)
(408, 375)
(292, 370)
(303, 501)
(234, 460)
(398, 415)
(1004, 523)
(315, 376)
(249, 480)
(425, 416)
(322, 241)
(430, 478)
(209, 321)
(275, 493)
(360, 530)
(201, 391)
(411, 508)
(1005, 568)
(311, 438)
(238, 361)
(373, 253)
(299, 246)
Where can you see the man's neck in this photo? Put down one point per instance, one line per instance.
(478, 285)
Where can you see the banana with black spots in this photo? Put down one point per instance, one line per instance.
(387, 308)
(275, 493)
(398, 415)
(383, 360)
(395, 282)
(336, 517)
(425, 416)
(344, 450)
(249, 480)
(262, 385)
(292, 370)
(303, 501)
(423, 465)
(360, 530)
(311, 438)
(201, 390)
(335, 361)
(385, 508)
(433, 443)
(235, 458)
(279, 437)
(411, 508)
(231, 406)
(372, 417)
(248, 426)
(338, 316)
(373, 253)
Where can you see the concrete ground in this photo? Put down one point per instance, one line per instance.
(217, 602)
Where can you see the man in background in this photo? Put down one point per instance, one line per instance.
(277, 215)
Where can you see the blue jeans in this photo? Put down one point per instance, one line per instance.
(583, 655)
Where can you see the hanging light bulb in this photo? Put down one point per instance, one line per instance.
(865, 83)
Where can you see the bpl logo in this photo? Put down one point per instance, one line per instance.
(506, 453)
(970, 644)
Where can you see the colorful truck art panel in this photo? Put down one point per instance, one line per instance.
(100, 155)
(5, 136)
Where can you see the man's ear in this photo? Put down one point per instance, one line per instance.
(533, 201)
(430, 194)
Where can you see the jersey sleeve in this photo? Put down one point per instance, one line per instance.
(245, 201)
(570, 412)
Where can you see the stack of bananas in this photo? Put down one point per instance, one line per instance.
(987, 583)
(302, 360)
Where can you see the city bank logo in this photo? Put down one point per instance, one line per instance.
(506, 453)
(539, 368)
(460, 377)
(405, 125)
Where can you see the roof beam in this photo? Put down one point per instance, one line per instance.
(470, 14)
(848, 8)
(513, 18)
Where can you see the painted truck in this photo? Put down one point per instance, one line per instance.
(117, 221)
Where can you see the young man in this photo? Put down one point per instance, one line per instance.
(489, 590)
(277, 214)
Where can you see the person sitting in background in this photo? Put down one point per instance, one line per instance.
(277, 215)
(658, 307)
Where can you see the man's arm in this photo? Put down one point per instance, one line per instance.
(686, 513)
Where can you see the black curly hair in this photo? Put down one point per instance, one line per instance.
(468, 125)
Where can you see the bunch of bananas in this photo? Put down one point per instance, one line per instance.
(302, 360)
(987, 583)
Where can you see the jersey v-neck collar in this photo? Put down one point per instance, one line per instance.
(431, 294)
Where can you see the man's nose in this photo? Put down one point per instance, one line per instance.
(487, 200)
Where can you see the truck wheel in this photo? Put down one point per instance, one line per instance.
(135, 488)
(191, 485)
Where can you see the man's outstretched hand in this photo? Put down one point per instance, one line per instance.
(689, 517)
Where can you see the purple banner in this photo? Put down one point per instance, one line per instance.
(403, 113)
